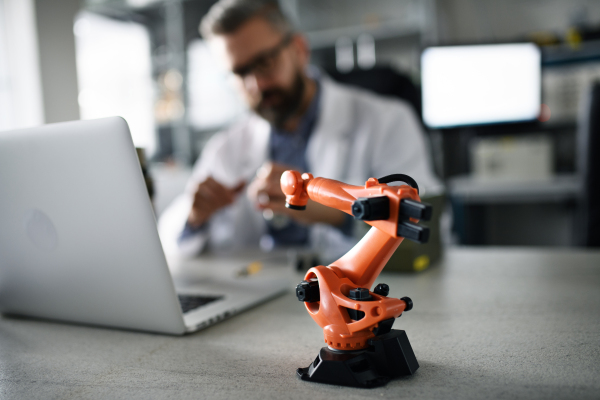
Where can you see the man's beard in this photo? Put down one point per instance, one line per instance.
(289, 103)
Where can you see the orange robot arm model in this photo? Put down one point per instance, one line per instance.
(338, 296)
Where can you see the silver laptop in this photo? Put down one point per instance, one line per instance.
(79, 243)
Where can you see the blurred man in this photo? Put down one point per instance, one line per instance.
(300, 120)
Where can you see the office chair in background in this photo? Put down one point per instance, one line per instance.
(588, 165)
(382, 80)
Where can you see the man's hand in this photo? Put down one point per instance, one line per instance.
(265, 192)
(211, 196)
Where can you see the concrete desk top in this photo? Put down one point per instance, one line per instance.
(496, 323)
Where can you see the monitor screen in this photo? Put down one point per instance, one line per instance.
(480, 84)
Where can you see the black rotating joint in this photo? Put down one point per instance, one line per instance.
(360, 294)
(382, 289)
(371, 208)
(308, 291)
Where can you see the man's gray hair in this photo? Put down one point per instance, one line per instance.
(227, 16)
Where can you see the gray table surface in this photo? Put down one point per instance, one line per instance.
(498, 323)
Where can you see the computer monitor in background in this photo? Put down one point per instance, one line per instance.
(480, 84)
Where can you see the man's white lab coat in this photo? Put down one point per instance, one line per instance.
(358, 135)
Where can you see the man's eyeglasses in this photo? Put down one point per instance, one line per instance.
(264, 63)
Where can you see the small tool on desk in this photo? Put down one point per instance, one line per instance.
(250, 269)
(362, 348)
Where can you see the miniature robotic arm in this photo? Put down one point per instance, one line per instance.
(338, 296)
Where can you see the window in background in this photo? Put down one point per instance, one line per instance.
(115, 74)
(20, 85)
(5, 103)
(213, 100)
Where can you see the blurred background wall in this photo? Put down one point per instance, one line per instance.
(144, 59)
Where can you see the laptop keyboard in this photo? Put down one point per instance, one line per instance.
(189, 303)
